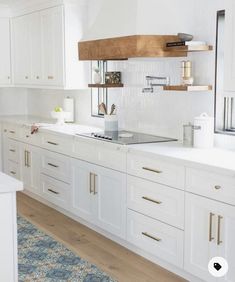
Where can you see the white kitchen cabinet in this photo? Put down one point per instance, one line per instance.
(21, 50)
(52, 46)
(99, 196)
(209, 232)
(45, 48)
(229, 43)
(30, 158)
(5, 66)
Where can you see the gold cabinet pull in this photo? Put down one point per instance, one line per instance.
(12, 131)
(151, 200)
(151, 169)
(210, 226)
(25, 158)
(28, 158)
(90, 182)
(50, 77)
(12, 150)
(53, 165)
(151, 237)
(94, 177)
(54, 192)
(219, 241)
(52, 143)
(12, 172)
(217, 187)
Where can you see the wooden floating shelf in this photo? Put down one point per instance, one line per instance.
(199, 48)
(105, 85)
(187, 88)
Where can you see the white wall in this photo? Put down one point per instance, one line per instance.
(13, 101)
(162, 113)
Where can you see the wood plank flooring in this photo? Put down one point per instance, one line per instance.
(117, 261)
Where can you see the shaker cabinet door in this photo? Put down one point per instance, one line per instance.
(52, 32)
(200, 235)
(5, 68)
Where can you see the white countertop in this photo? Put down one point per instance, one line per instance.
(215, 158)
(9, 184)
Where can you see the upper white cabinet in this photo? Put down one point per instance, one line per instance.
(5, 65)
(229, 52)
(45, 48)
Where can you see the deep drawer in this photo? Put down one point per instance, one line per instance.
(155, 200)
(56, 165)
(56, 192)
(156, 238)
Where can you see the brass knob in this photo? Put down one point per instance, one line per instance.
(217, 187)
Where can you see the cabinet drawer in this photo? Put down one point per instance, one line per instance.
(57, 143)
(56, 165)
(156, 170)
(13, 169)
(101, 153)
(13, 151)
(215, 186)
(159, 239)
(55, 191)
(155, 200)
(11, 130)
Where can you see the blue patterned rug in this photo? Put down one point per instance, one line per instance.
(43, 259)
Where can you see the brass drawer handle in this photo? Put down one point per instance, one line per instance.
(151, 200)
(151, 237)
(53, 165)
(25, 158)
(219, 241)
(152, 170)
(54, 192)
(91, 183)
(217, 187)
(12, 131)
(12, 150)
(52, 143)
(28, 158)
(50, 77)
(210, 226)
(12, 172)
(95, 176)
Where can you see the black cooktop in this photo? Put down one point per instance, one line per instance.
(126, 137)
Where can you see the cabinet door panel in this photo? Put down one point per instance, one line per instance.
(83, 198)
(110, 191)
(21, 50)
(30, 167)
(5, 70)
(52, 31)
(200, 215)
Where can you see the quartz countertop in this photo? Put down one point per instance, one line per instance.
(9, 184)
(215, 158)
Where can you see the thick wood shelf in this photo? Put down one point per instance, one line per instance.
(196, 48)
(187, 88)
(106, 85)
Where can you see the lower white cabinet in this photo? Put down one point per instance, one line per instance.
(155, 237)
(30, 157)
(209, 232)
(99, 195)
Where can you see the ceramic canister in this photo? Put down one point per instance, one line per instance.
(203, 131)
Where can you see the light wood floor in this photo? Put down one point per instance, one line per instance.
(117, 261)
